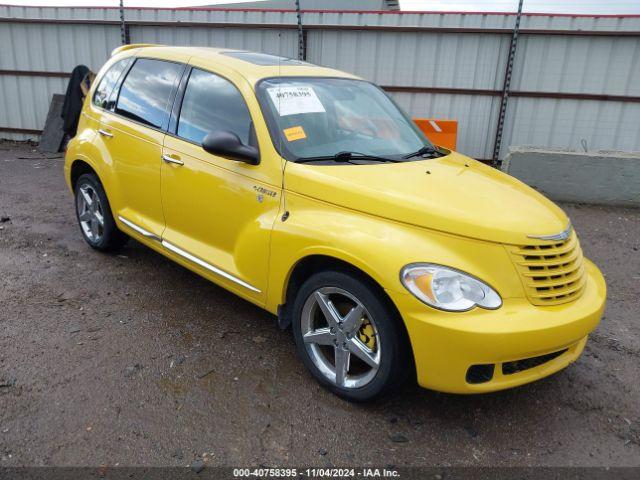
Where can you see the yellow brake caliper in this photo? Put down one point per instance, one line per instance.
(367, 335)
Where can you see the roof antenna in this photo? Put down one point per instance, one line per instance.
(283, 161)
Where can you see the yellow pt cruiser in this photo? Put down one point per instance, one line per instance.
(309, 192)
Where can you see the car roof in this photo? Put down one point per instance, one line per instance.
(253, 66)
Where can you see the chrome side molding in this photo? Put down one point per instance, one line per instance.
(208, 266)
(187, 255)
(138, 229)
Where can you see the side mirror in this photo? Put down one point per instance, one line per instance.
(227, 144)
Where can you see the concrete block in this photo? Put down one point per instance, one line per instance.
(604, 178)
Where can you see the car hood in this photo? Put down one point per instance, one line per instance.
(453, 194)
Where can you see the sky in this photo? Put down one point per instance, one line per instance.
(548, 6)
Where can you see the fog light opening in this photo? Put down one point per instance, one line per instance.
(480, 373)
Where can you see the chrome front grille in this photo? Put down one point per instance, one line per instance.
(552, 272)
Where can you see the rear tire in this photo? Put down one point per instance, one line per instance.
(377, 354)
(94, 215)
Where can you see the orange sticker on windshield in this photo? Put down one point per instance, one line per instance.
(294, 133)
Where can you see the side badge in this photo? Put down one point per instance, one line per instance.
(261, 192)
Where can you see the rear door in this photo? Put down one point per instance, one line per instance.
(133, 129)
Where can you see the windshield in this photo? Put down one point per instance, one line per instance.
(322, 117)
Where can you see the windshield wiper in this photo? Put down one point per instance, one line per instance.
(426, 150)
(346, 157)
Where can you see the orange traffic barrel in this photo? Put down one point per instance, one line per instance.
(440, 132)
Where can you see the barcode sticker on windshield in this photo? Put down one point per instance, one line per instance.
(295, 100)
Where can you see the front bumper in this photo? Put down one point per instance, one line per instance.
(446, 344)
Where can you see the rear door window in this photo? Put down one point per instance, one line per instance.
(146, 91)
(212, 103)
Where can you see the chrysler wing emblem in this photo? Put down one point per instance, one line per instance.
(562, 236)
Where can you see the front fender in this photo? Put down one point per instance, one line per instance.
(379, 247)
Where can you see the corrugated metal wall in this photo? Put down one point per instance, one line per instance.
(436, 65)
(462, 61)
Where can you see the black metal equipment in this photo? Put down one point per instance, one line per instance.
(505, 88)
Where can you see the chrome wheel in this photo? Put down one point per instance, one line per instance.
(340, 337)
(90, 213)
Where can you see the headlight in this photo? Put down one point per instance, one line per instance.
(448, 289)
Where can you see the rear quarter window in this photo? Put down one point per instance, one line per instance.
(108, 81)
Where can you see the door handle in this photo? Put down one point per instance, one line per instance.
(169, 159)
(104, 133)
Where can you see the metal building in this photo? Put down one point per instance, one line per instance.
(360, 5)
(575, 79)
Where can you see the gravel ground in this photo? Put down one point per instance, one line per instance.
(130, 359)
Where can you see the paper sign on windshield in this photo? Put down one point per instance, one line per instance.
(295, 100)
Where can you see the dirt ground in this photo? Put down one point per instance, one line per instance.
(130, 359)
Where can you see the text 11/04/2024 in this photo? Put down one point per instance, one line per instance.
(316, 472)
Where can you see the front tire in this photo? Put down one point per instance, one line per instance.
(348, 337)
(94, 215)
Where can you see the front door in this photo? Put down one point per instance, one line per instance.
(218, 212)
(133, 135)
